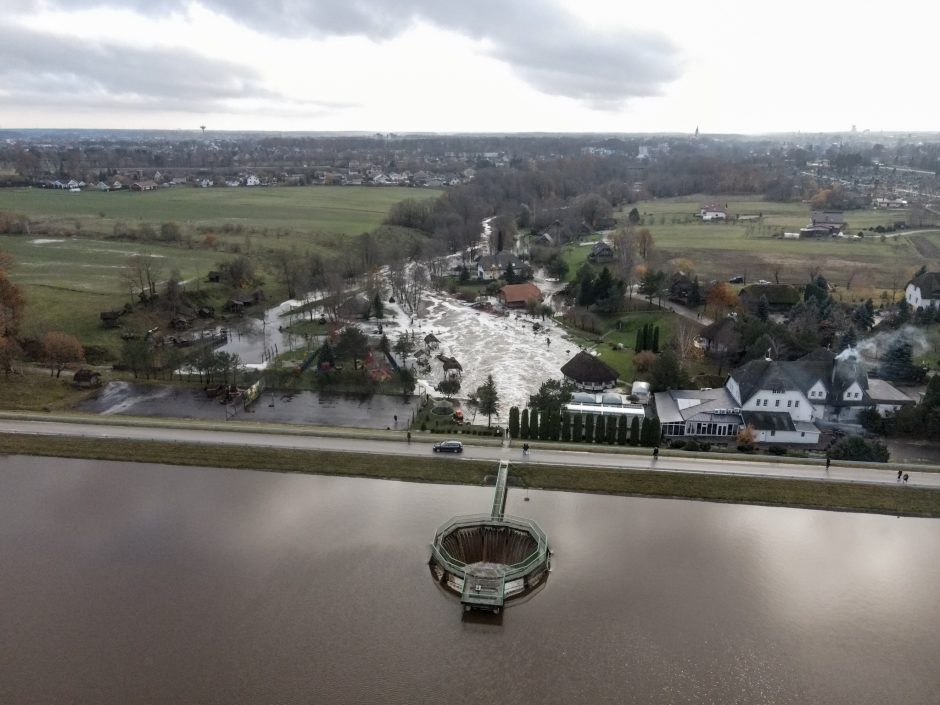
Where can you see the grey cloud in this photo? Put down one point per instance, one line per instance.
(544, 44)
(51, 71)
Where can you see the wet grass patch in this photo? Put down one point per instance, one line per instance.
(881, 499)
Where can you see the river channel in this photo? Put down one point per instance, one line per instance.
(134, 583)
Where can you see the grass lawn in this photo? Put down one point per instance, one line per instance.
(625, 334)
(34, 389)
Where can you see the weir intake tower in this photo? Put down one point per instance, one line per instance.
(489, 558)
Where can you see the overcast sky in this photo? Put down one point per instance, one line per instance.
(470, 65)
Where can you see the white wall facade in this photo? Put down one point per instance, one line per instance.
(788, 437)
(792, 402)
(914, 297)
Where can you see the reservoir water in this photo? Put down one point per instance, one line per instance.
(134, 583)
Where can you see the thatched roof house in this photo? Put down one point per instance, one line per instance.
(589, 372)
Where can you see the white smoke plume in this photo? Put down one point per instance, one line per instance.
(874, 347)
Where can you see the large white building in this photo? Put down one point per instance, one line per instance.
(781, 400)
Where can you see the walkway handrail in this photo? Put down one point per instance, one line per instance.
(516, 570)
(499, 496)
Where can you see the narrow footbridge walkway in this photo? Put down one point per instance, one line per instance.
(499, 497)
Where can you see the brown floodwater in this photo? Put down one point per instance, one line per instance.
(133, 583)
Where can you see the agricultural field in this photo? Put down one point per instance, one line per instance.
(287, 216)
(722, 250)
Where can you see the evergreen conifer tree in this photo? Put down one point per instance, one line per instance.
(600, 429)
(514, 422)
(589, 428)
(635, 431)
(622, 431)
(534, 424)
(611, 435)
(577, 433)
(655, 431)
(524, 424)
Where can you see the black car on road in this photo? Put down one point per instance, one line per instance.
(448, 447)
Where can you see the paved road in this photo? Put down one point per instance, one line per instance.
(718, 466)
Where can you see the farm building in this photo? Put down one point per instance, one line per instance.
(711, 211)
(146, 185)
(831, 221)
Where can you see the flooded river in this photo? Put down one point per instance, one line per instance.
(155, 584)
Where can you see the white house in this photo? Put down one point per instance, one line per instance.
(820, 386)
(923, 291)
(252, 180)
(712, 212)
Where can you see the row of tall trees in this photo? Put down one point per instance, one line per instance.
(532, 424)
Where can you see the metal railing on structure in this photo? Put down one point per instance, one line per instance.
(456, 566)
(499, 496)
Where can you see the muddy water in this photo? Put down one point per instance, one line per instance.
(154, 584)
(376, 411)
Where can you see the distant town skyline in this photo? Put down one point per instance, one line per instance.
(477, 66)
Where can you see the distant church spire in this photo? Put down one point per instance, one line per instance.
(696, 130)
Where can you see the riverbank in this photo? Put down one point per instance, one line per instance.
(856, 497)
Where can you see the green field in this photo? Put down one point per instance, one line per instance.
(70, 266)
(67, 282)
(332, 210)
(721, 250)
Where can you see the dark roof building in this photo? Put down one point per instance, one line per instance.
(780, 297)
(834, 221)
(589, 372)
(923, 291)
(495, 266)
(818, 386)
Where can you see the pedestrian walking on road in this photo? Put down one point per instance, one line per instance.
(828, 461)
(655, 452)
(525, 448)
(409, 436)
(905, 478)
(899, 475)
